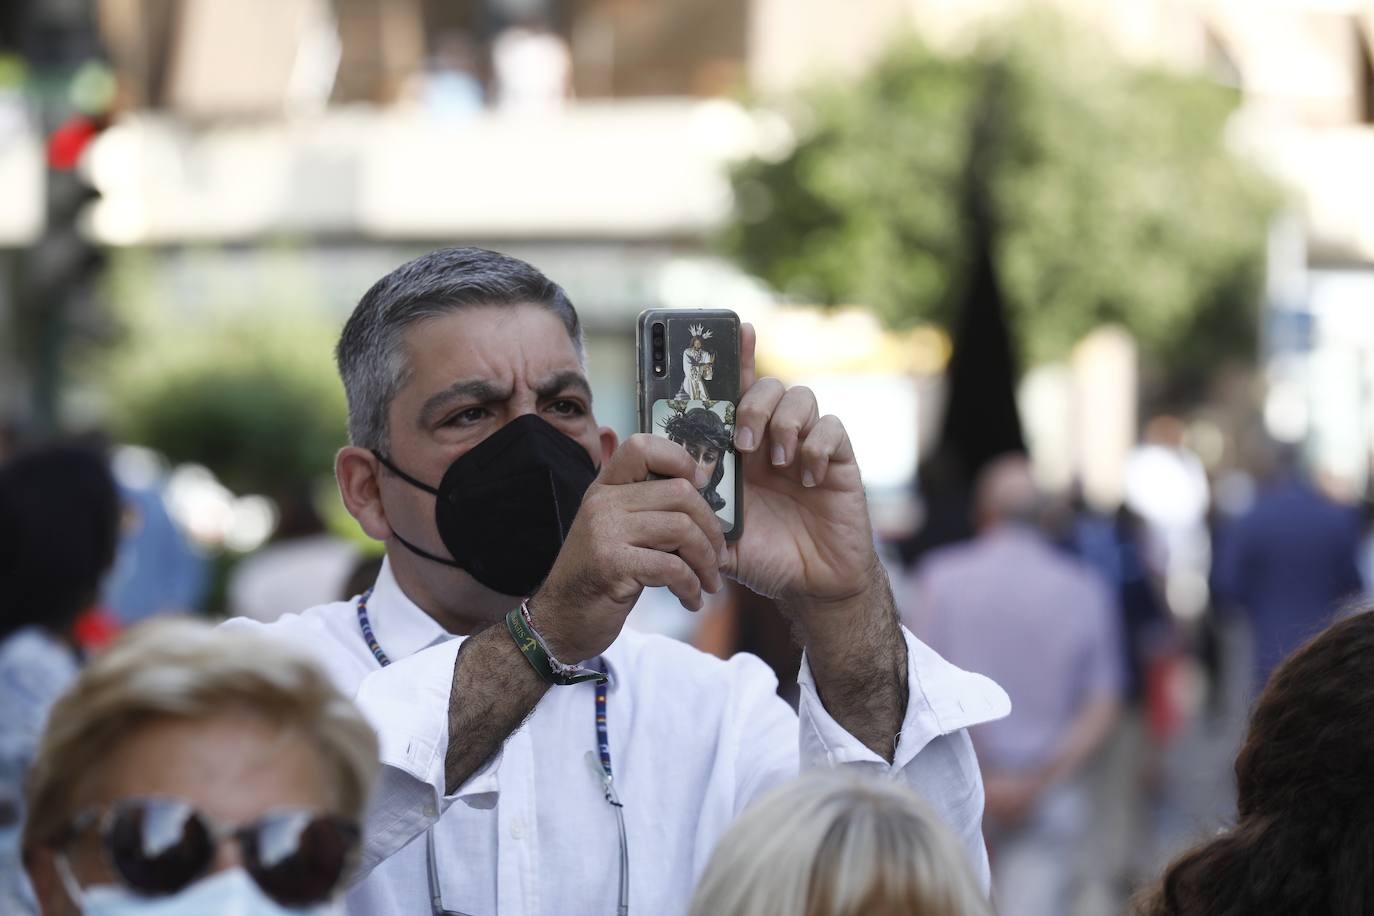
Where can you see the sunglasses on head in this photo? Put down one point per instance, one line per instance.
(157, 846)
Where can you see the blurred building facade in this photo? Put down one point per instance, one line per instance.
(366, 130)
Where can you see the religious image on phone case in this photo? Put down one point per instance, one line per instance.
(706, 429)
(698, 365)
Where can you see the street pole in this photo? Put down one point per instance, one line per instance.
(57, 38)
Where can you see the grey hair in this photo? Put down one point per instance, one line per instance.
(179, 668)
(837, 843)
(371, 354)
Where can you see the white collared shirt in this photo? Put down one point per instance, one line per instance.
(693, 739)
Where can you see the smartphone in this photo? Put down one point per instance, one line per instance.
(687, 391)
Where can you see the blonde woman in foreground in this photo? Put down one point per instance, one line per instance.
(197, 771)
(837, 844)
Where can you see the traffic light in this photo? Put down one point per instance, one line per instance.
(65, 263)
(71, 92)
(62, 301)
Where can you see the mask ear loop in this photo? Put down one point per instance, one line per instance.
(402, 474)
(386, 462)
(419, 552)
(75, 892)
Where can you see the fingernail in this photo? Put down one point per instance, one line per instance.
(808, 479)
(702, 477)
(724, 556)
(779, 455)
(745, 440)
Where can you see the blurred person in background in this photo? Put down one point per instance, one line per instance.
(449, 87)
(1288, 563)
(1166, 485)
(1303, 839)
(1366, 551)
(302, 566)
(198, 771)
(1010, 605)
(158, 569)
(532, 67)
(1128, 772)
(534, 748)
(59, 522)
(833, 844)
(1115, 548)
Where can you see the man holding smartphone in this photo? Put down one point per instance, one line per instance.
(553, 761)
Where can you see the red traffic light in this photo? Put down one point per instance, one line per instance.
(70, 140)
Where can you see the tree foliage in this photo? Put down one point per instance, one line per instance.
(246, 388)
(1113, 195)
(261, 425)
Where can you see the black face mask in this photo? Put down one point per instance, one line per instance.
(505, 506)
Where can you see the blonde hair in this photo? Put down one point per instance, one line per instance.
(839, 844)
(186, 669)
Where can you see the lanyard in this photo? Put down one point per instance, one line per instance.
(603, 749)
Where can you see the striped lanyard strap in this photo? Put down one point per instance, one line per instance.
(368, 636)
(603, 739)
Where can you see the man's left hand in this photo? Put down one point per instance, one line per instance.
(807, 542)
(807, 537)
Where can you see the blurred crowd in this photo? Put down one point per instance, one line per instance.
(178, 767)
(530, 71)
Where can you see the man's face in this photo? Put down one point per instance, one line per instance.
(706, 456)
(473, 370)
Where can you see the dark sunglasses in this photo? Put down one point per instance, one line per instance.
(157, 846)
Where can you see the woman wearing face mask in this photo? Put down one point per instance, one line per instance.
(190, 770)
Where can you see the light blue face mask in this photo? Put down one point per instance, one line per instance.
(226, 893)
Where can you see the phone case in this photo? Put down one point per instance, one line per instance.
(693, 402)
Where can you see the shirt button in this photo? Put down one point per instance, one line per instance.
(517, 829)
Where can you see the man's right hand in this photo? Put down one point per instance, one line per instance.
(630, 533)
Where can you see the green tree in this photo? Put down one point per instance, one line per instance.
(241, 385)
(1113, 195)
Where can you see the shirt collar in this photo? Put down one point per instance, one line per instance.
(401, 628)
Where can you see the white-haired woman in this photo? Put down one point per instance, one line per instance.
(835, 843)
(195, 770)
